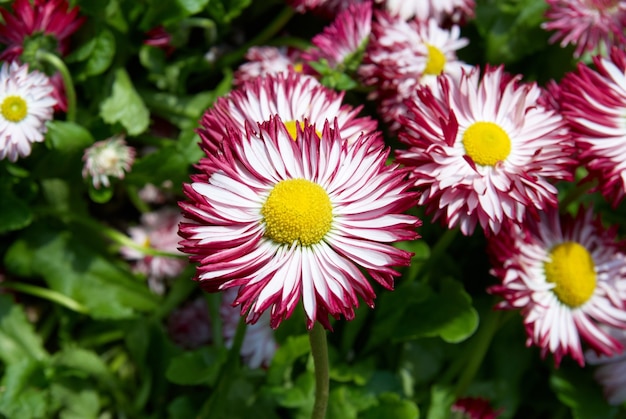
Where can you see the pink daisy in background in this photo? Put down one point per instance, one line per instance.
(567, 275)
(189, 325)
(482, 150)
(285, 220)
(345, 38)
(158, 230)
(594, 104)
(294, 97)
(473, 408)
(26, 104)
(588, 24)
(159, 37)
(108, 158)
(263, 61)
(610, 372)
(327, 8)
(441, 10)
(404, 55)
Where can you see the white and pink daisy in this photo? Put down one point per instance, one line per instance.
(441, 10)
(568, 276)
(610, 372)
(588, 24)
(285, 220)
(474, 408)
(345, 38)
(158, 230)
(108, 158)
(293, 97)
(262, 61)
(26, 105)
(483, 150)
(594, 104)
(402, 56)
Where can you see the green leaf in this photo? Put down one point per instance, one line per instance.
(15, 214)
(125, 106)
(447, 313)
(85, 361)
(76, 403)
(68, 137)
(390, 405)
(18, 339)
(201, 366)
(100, 196)
(96, 55)
(162, 12)
(347, 402)
(285, 357)
(72, 263)
(23, 395)
(224, 11)
(577, 389)
(441, 400)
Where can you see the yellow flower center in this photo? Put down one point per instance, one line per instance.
(572, 269)
(436, 61)
(298, 67)
(14, 108)
(297, 210)
(486, 143)
(293, 130)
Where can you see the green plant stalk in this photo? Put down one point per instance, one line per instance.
(46, 294)
(319, 351)
(70, 92)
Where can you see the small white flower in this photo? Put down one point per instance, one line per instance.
(110, 157)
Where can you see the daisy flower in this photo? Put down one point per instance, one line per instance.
(473, 408)
(107, 158)
(568, 276)
(158, 230)
(294, 97)
(328, 8)
(344, 38)
(51, 18)
(611, 370)
(286, 220)
(483, 150)
(587, 24)
(403, 55)
(262, 61)
(26, 104)
(189, 326)
(423, 10)
(594, 104)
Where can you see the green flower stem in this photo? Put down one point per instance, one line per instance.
(133, 195)
(319, 350)
(60, 66)
(437, 252)
(262, 38)
(478, 349)
(46, 294)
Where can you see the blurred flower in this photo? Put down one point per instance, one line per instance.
(594, 104)
(26, 104)
(262, 61)
(284, 220)
(50, 18)
(259, 346)
(344, 38)
(110, 157)
(152, 194)
(587, 24)
(473, 408)
(293, 97)
(611, 372)
(423, 10)
(159, 37)
(483, 150)
(158, 230)
(328, 8)
(568, 276)
(189, 326)
(404, 55)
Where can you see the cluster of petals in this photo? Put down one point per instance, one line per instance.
(344, 37)
(107, 158)
(442, 11)
(457, 189)
(48, 17)
(327, 8)
(292, 96)
(610, 371)
(475, 408)
(26, 105)
(227, 233)
(594, 104)
(157, 230)
(519, 254)
(263, 61)
(587, 24)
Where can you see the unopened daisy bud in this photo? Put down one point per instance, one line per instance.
(110, 157)
(26, 104)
